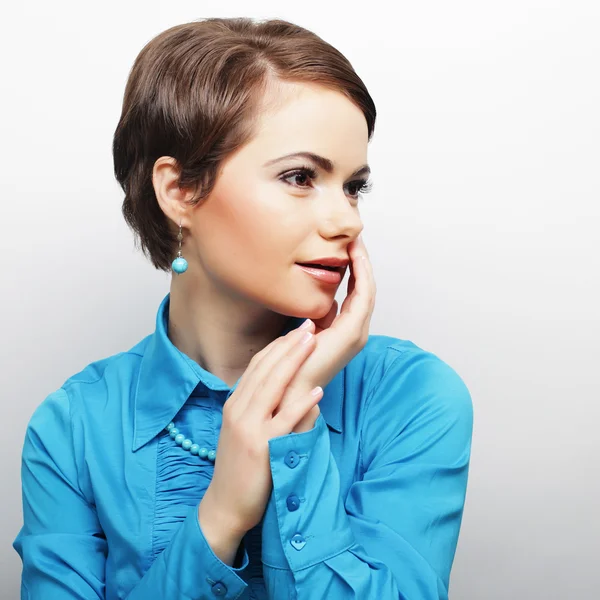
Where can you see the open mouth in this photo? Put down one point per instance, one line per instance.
(323, 267)
(324, 274)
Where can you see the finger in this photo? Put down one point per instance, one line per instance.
(326, 321)
(360, 300)
(358, 305)
(360, 246)
(370, 277)
(349, 290)
(369, 265)
(259, 356)
(270, 390)
(355, 299)
(288, 417)
(259, 368)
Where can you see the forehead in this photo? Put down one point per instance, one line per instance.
(309, 117)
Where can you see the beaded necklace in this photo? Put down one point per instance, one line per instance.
(195, 449)
(187, 444)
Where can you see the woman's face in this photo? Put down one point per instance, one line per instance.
(264, 216)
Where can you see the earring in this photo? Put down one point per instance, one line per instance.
(179, 265)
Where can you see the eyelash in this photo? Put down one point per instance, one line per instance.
(365, 186)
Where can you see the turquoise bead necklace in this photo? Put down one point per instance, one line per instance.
(187, 444)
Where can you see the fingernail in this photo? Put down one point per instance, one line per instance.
(306, 337)
(316, 391)
(306, 324)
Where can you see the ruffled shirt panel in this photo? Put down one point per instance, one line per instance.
(182, 479)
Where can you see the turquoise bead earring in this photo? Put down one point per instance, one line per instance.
(179, 265)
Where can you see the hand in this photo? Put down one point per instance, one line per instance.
(241, 484)
(339, 337)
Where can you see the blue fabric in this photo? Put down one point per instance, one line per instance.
(110, 502)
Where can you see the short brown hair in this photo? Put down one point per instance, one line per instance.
(193, 94)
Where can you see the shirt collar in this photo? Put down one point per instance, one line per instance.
(167, 378)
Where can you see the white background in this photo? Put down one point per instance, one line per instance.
(483, 228)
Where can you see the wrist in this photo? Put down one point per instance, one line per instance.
(219, 531)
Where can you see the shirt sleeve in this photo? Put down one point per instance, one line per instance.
(62, 545)
(394, 535)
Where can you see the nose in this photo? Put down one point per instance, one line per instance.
(340, 218)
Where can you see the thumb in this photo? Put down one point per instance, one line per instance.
(326, 321)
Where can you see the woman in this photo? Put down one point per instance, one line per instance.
(258, 444)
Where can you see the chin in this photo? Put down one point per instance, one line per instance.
(313, 308)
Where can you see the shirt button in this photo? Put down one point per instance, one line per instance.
(219, 589)
(298, 542)
(293, 503)
(292, 459)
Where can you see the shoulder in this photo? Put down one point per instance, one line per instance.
(405, 384)
(387, 361)
(88, 391)
(104, 370)
(396, 364)
(81, 418)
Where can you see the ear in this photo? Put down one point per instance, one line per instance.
(171, 198)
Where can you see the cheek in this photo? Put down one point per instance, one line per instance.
(249, 242)
(245, 239)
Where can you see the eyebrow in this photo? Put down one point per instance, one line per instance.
(327, 165)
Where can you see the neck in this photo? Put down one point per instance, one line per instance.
(219, 332)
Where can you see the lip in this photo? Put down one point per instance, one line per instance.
(329, 277)
(330, 261)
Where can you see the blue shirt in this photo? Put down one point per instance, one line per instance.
(366, 505)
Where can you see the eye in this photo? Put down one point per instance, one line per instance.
(301, 172)
(364, 187)
(361, 186)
